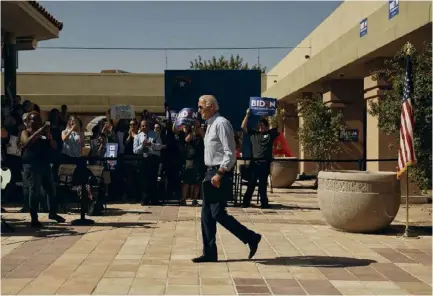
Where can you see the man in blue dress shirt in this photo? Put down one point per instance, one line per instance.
(149, 144)
(220, 158)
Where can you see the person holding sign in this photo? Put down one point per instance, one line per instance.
(148, 144)
(262, 142)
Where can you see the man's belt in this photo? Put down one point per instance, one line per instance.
(212, 167)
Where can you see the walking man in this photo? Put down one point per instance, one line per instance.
(220, 158)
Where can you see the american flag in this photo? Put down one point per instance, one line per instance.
(406, 152)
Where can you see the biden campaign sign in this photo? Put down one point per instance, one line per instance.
(186, 116)
(263, 106)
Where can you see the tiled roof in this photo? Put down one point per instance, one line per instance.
(46, 14)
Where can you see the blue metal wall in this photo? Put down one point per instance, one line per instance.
(232, 88)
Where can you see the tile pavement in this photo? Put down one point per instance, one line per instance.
(147, 250)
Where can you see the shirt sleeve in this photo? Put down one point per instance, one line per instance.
(137, 147)
(227, 138)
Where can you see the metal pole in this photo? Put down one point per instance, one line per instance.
(408, 233)
(258, 56)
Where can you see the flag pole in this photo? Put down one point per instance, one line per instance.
(408, 232)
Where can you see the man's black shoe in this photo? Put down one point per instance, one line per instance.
(203, 259)
(254, 245)
(57, 218)
(265, 206)
(245, 206)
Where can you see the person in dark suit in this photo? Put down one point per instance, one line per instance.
(219, 158)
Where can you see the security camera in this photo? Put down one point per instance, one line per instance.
(307, 56)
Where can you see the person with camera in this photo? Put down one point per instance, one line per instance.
(37, 145)
(193, 167)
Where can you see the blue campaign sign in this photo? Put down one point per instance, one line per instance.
(393, 8)
(263, 106)
(111, 151)
(186, 116)
(363, 27)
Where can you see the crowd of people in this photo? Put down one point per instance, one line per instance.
(148, 149)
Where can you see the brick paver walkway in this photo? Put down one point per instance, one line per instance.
(147, 250)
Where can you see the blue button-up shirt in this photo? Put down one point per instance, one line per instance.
(219, 143)
(154, 148)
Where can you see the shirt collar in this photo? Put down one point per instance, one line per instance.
(212, 119)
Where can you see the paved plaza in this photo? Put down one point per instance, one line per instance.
(148, 250)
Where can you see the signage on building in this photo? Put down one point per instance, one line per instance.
(393, 8)
(349, 135)
(263, 106)
(363, 27)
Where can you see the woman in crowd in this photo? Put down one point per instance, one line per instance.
(72, 141)
(109, 131)
(37, 145)
(193, 169)
(128, 139)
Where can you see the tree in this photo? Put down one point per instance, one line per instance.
(222, 63)
(320, 132)
(388, 108)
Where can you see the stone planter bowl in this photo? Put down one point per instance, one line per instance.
(358, 201)
(284, 173)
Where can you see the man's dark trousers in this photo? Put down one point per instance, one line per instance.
(214, 210)
(149, 179)
(259, 169)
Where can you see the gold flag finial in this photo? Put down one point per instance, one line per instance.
(408, 48)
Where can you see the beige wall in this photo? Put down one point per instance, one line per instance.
(345, 17)
(348, 52)
(94, 92)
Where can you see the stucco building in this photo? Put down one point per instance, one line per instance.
(343, 50)
(23, 25)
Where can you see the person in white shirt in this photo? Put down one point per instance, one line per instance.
(148, 144)
(219, 158)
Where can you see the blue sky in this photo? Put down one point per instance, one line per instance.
(171, 24)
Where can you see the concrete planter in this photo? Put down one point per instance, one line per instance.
(358, 201)
(284, 173)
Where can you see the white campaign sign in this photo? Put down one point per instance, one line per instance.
(122, 112)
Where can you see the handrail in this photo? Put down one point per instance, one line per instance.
(294, 159)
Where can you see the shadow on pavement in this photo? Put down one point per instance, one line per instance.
(310, 261)
(398, 229)
(51, 229)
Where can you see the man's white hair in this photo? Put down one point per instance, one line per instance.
(210, 100)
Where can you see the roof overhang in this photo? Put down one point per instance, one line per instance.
(28, 20)
(345, 58)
